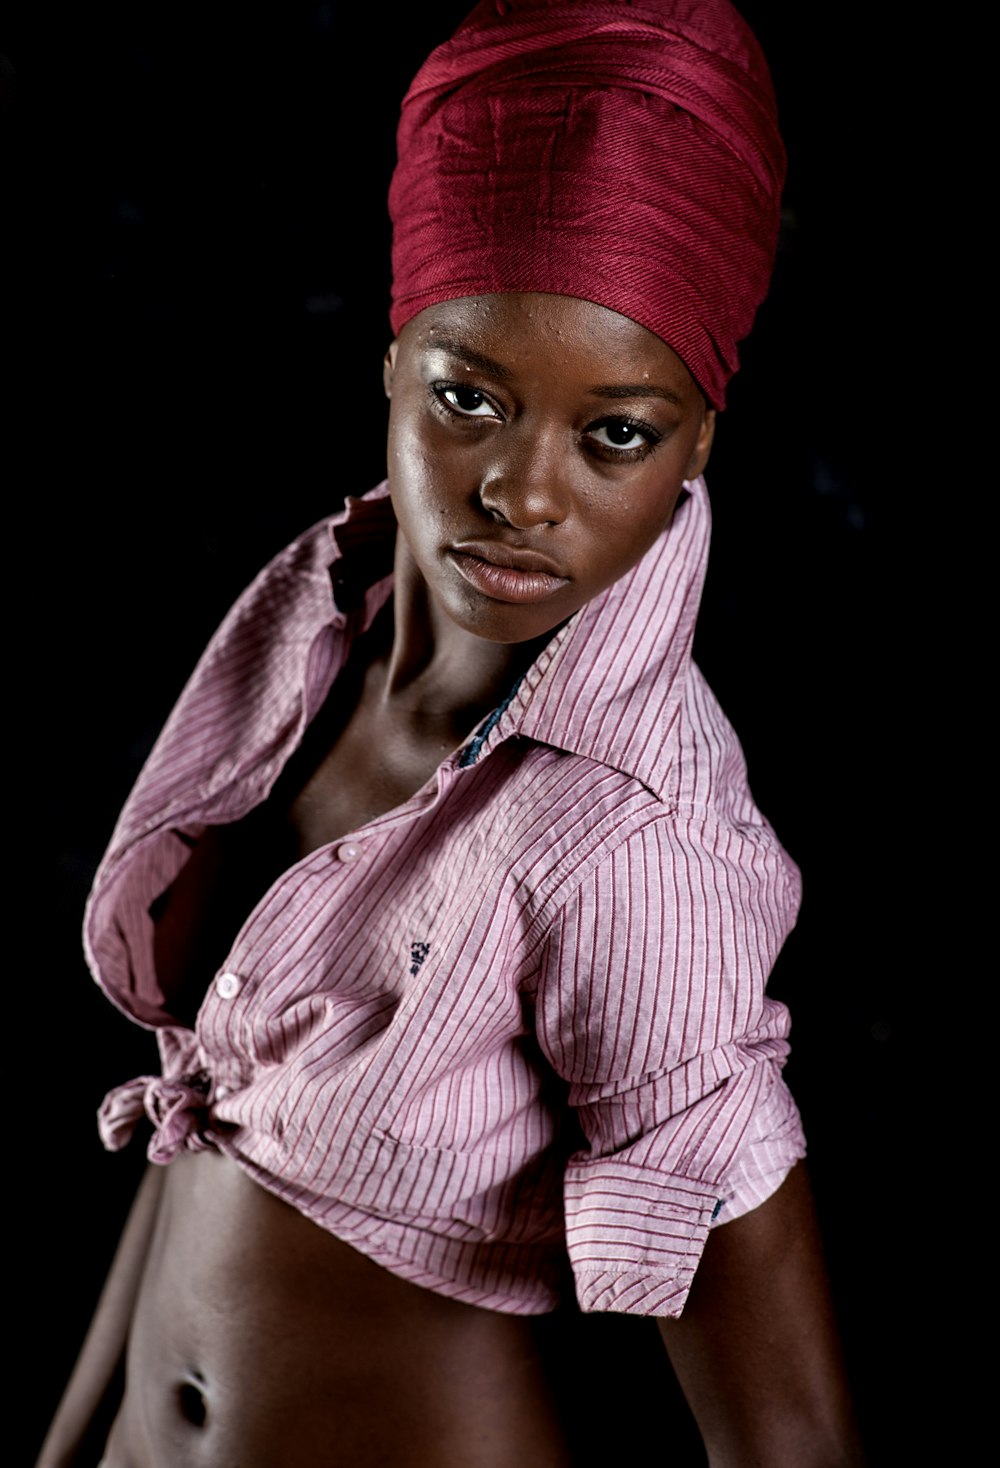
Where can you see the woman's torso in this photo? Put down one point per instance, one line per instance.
(258, 1339)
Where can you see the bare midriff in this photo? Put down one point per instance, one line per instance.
(260, 1341)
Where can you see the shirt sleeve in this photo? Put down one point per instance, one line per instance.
(652, 1007)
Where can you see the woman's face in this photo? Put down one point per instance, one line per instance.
(537, 448)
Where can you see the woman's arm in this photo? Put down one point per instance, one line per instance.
(90, 1396)
(757, 1350)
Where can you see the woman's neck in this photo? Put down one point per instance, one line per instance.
(434, 668)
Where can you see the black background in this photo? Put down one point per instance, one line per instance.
(199, 257)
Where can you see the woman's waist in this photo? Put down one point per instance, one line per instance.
(267, 1319)
(241, 1249)
(406, 1217)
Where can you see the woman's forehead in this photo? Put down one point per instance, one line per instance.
(509, 332)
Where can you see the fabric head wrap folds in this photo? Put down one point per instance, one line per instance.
(626, 153)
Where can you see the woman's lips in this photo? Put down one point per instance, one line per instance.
(505, 573)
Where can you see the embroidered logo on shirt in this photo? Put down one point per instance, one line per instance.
(418, 952)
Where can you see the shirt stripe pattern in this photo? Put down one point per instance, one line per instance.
(511, 1038)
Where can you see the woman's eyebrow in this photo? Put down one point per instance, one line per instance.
(466, 354)
(473, 358)
(635, 390)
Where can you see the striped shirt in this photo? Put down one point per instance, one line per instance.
(510, 1038)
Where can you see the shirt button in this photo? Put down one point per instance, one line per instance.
(348, 851)
(228, 985)
(221, 1092)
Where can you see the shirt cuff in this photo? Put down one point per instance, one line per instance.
(634, 1236)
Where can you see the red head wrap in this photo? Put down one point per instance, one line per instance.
(623, 151)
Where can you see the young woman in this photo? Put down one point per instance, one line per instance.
(443, 888)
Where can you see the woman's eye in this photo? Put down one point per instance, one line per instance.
(467, 401)
(620, 434)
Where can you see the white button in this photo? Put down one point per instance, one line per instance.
(348, 851)
(226, 985)
(221, 1092)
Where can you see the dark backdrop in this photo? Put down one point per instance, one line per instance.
(195, 198)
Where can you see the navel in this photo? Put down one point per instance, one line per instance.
(192, 1401)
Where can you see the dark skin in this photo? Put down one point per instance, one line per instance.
(537, 447)
(757, 1350)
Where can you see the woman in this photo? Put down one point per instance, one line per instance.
(443, 888)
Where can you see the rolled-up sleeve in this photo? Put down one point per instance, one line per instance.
(652, 1007)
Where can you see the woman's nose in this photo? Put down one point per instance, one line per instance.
(525, 485)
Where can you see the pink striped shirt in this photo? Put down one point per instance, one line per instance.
(510, 1038)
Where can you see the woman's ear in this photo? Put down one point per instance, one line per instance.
(389, 368)
(703, 446)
